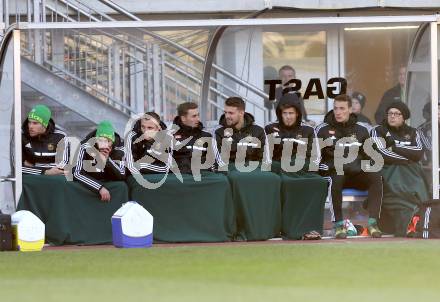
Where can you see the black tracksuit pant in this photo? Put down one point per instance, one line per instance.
(370, 181)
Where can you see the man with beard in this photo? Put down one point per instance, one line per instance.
(256, 193)
(40, 139)
(289, 128)
(303, 194)
(287, 73)
(405, 186)
(105, 149)
(143, 144)
(238, 129)
(341, 123)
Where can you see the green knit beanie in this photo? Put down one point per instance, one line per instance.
(41, 114)
(105, 129)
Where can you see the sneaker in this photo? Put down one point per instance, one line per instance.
(350, 228)
(373, 229)
(412, 226)
(340, 231)
(312, 235)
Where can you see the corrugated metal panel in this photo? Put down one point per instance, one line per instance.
(225, 6)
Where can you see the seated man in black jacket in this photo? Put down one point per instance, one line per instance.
(403, 144)
(405, 186)
(145, 154)
(238, 131)
(190, 135)
(105, 149)
(40, 140)
(291, 129)
(287, 73)
(256, 193)
(303, 194)
(341, 123)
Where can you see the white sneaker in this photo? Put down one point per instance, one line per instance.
(349, 226)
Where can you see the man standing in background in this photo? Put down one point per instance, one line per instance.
(395, 94)
(287, 73)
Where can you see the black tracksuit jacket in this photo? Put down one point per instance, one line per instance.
(183, 154)
(41, 150)
(402, 145)
(299, 133)
(114, 169)
(235, 137)
(137, 148)
(331, 129)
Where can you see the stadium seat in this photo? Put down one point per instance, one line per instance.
(354, 195)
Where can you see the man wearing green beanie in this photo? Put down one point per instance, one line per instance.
(105, 149)
(40, 142)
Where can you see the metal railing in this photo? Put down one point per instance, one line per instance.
(134, 71)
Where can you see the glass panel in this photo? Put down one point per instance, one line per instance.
(419, 76)
(305, 52)
(255, 54)
(373, 57)
(7, 129)
(419, 93)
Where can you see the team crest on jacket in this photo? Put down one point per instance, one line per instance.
(51, 147)
(228, 132)
(199, 143)
(407, 136)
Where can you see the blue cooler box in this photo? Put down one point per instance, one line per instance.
(132, 226)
